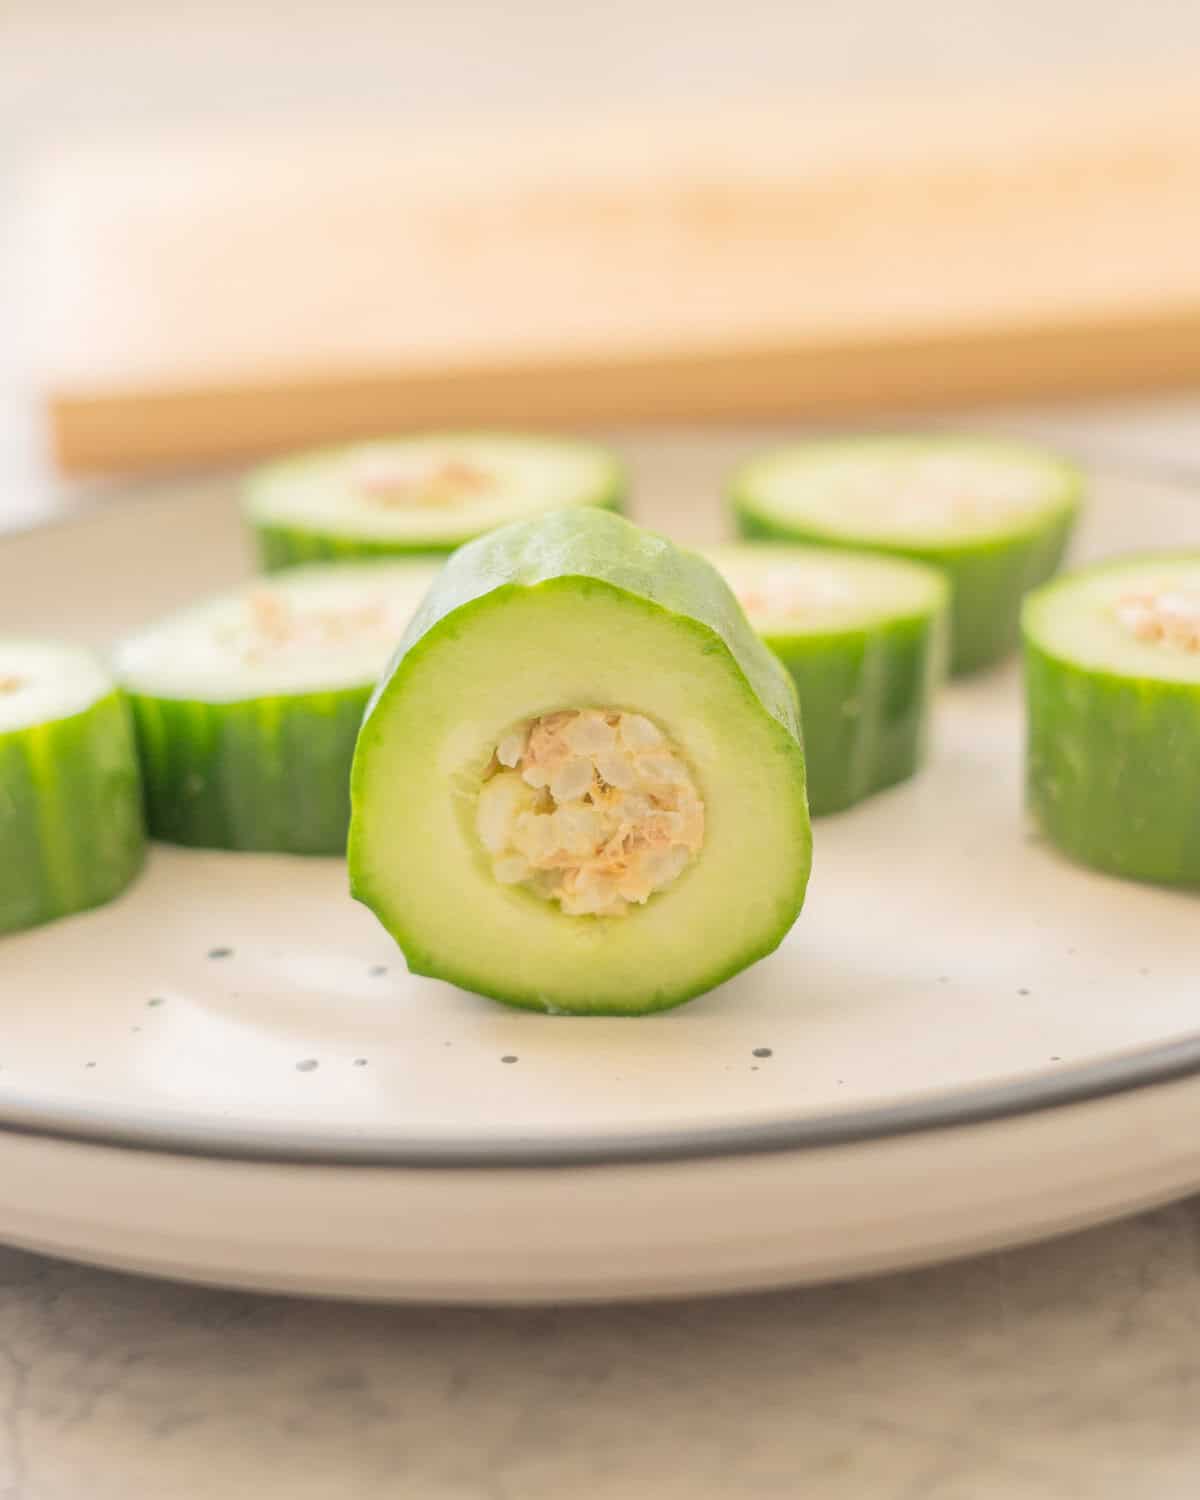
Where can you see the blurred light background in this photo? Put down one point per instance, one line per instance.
(83, 72)
(79, 67)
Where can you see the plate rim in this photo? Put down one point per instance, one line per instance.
(1126, 1073)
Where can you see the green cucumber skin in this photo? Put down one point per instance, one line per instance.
(1113, 768)
(71, 832)
(988, 580)
(865, 700)
(581, 545)
(269, 774)
(569, 548)
(282, 547)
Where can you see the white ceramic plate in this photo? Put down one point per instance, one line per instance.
(228, 1074)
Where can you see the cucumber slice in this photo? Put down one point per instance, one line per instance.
(71, 833)
(865, 641)
(425, 494)
(580, 787)
(247, 706)
(1112, 678)
(995, 517)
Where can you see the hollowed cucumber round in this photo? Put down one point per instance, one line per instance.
(418, 494)
(994, 516)
(865, 641)
(71, 833)
(247, 706)
(1112, 679)
(580, 787)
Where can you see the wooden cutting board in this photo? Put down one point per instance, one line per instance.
(200, 299)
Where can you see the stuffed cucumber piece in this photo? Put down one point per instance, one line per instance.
(71, 833)
(580, 787)
(1112, 676)
(996, 517)
(247, 706)
(865, 640)
(420, 494)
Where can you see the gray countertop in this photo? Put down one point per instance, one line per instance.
(1060, 1371)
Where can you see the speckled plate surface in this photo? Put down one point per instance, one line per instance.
(235, 1027)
